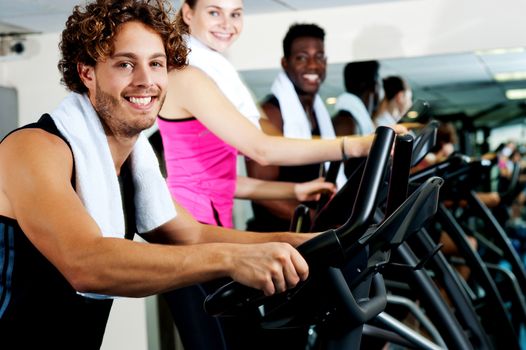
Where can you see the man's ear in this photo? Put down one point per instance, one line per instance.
(86, 74)
(187, 13)
(284, 63)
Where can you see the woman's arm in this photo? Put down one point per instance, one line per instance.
(192, 93)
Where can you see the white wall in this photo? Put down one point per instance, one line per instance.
(36, 77)
(393, 29)
(380, 30)
(127, 328)
(388, 30)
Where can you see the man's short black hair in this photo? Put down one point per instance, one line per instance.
(361, 76)
(298, 30)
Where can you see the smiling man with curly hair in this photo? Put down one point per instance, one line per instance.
(78, 184)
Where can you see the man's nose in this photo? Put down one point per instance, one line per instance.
(143, 76)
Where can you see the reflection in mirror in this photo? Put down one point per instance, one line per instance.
(482, 93)
(9, 110)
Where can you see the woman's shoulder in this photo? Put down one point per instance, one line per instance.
(188, 72)
(185, 90)
(193, 81)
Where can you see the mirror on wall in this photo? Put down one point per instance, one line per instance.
(9, 110)
(476, 90)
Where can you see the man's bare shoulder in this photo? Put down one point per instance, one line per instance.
(30, 141)
(271, 108)
(35, 150)
(273, 113)
(30, 159)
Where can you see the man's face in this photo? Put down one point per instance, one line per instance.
(128, 88)
(307, 65)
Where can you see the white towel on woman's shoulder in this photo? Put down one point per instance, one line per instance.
(96, 179)
(295, 121)
(223, 73)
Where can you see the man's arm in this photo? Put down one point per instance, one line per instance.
(284, 209)
(35, 173)
(185, 230)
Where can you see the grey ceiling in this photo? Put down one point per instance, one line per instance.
(50, 15)
(454, 84)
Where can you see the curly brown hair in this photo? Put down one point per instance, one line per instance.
(89, 33)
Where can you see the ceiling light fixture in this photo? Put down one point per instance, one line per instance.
(331, 100)
(501, 51)
(516, 94)
(510, 76)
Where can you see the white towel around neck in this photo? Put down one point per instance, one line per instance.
(223, 73)
(295, 121)
(385, 119)
(96, 180)
(354, 105)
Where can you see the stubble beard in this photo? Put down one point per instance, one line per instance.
(107, 106)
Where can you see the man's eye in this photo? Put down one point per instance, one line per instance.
(301, 58)
(321, 58)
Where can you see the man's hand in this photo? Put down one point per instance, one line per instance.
(311, 190)
(399, 129)
(270, 267)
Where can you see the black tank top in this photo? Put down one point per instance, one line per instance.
(264, 220)
(38, 307)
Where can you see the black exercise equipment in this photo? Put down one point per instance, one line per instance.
(500, 327)
(337, 304)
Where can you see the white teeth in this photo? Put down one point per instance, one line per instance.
(311, 77)
(222, 35)
(140, 100)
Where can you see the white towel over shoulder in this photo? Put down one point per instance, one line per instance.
(96, 180)
(354, 105)
(223, 73)
(295, 121)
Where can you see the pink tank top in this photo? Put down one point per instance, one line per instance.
(201, 170)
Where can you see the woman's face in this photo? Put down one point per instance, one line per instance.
(406, 101)
(216, 23)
